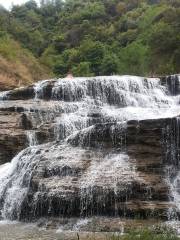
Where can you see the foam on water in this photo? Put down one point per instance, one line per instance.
(80, 223)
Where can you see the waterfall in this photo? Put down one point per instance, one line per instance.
(32, 139)
(172, 157)
(78, 162)
(15, 180)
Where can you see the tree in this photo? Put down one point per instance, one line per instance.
(59, 43)
(83, 69)
(164, 45)
(98, 36)
(164, 39)
(110, 64)
(134, 59)
(60, 68)
(31, 5)
(92, 52)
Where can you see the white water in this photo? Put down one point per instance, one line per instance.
(71, 109)
(15, 180)
(115, 98)
(3, 95)
(31, 135)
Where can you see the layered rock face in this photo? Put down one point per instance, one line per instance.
(97, 146)
(12, 135)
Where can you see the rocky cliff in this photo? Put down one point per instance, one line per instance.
(97, 146)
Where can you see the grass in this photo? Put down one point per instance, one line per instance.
(17, 65)
(147, 234)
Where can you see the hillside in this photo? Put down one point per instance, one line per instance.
(98, 37)
(18, 66)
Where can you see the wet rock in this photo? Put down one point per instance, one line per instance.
(46, 91)
(22, 93)
(92, 164)
(140, 192)
(173, 83)
(57, 182)
(24, 122)
(12, 138)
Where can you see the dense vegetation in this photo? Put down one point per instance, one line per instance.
(99, 37)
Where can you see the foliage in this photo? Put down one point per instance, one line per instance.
(83, 69)
(146, 234)
(110, 64)
(134, 59)
(98, 37)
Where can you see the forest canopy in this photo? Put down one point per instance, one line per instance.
(98, 37)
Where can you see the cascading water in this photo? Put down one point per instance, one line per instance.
(172, 156)
(16, 179)
(85, 169)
